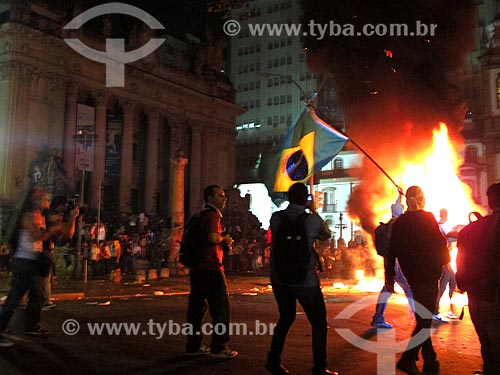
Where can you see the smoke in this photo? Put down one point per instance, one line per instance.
(393, 89)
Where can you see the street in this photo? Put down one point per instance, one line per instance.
(147, 335)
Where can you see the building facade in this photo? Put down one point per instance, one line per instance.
(121, 146)
(270, 76)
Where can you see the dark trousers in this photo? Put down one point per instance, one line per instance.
(486, 318)
(312, 301)
(208, 291)
(25, 278)
(424, 296)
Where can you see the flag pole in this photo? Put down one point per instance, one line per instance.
(400, 190)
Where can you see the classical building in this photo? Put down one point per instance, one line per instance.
(481, 91)
(62, 126)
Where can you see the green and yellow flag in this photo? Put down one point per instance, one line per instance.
(306, 148)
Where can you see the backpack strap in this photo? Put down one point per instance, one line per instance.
(476, 214)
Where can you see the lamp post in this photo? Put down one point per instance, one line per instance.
(85, 139)
(341, 226)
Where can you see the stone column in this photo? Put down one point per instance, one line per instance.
(127, 163)
(15, 81)
(178, 166)
(69, 148)
(153, 138)
(100, 147)
(196, 199)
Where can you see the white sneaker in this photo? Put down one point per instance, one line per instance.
(451, 315)
(439, 318)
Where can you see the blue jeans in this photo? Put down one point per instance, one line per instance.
(25, 278)
(312, 301)
(384, 295)
(447, 277)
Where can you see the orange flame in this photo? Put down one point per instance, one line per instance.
(436, 173)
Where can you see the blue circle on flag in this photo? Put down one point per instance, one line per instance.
(296, 166)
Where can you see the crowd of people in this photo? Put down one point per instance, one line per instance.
(418, 258)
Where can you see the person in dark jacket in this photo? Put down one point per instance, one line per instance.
(478, 273)
(307, 292)
(420, 247)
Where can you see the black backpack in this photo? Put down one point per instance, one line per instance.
(289, 249)
(192, 243)
(478, 258)
(383, 237)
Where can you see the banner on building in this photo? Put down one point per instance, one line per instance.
(85, 136)
(114, 135)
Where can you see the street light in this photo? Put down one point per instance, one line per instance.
(86, 139)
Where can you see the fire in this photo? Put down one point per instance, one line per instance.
(435, 172)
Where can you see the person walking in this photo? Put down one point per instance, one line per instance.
(420, 247)
(29, 265)
(59, 216)
(478, 273)
(448, 274)
(307, 292)
(378, 320)
(208, 281)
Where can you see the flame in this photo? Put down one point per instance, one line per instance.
(436, 172)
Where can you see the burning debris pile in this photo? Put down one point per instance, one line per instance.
(395, 91)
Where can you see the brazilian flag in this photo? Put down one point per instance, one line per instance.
(306, 148)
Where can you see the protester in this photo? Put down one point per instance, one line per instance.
(29, 265)
(208, 281)
(307, 292)
(378, 320)
(420, 247)
(478, 273)
(448, 275)
(59, 216)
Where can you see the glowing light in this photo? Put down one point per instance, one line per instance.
(435, 172)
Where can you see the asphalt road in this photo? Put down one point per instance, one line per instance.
(154, 344)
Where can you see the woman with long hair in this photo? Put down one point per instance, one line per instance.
(28, 233)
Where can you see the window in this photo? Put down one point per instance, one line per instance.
(338, 163)
(329, 200)
(471, 154)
